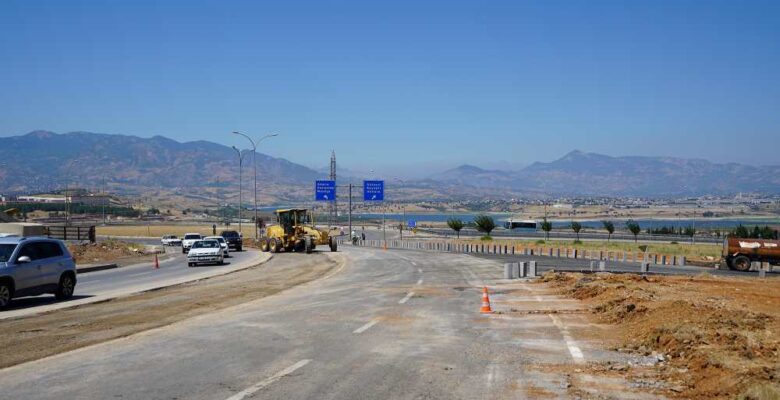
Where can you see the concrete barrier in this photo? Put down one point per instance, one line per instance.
(531, 269)
(644, 267)
(509, 271)
(521, 268)
(592, 264)
(602, 266)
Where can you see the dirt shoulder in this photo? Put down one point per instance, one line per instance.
(108, 251)
(715, 337)
(45, 335)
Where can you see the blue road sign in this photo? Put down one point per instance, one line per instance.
(325, 190)
(373, 190)
(412, 224)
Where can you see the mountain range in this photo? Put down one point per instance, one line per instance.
(43, 161)
(580, 173)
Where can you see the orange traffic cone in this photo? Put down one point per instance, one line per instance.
(156, 262)
(485, 302)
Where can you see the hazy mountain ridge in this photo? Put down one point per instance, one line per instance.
(580, 173)
(44, 160)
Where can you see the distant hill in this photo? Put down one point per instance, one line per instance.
(44, 160)
(204, 171)
(579, 173)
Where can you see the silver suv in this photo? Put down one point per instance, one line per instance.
(34, 266)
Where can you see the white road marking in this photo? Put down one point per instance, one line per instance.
(419, 270)
(268, 381)
(405, 299)
(419, 282)
(366, 326)
(414, 263)
(575, 351)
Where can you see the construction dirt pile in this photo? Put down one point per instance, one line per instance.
(107, 251)
(714, 337)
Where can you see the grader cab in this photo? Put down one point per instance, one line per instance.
(295, 231)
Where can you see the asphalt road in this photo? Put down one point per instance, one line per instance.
(389, 324)
(120, 281)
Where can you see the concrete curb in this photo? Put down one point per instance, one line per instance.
(93, 268)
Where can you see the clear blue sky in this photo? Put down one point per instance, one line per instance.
(414, 83)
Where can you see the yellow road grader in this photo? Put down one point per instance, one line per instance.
(294, 231)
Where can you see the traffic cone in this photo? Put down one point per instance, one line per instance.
(485, 302)
(156, 262)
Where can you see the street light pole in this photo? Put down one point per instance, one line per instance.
(254, 163)
(240, 163)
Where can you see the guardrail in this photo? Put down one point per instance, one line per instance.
(544, 251)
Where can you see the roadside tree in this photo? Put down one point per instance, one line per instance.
(576, 227)
(456, 225)
(485, 224)
(546, 227)
(634, 228)
(610, 228)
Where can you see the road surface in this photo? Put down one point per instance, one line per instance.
(389, 324)
(102, 285)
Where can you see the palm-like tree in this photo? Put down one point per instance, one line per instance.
(456, 225)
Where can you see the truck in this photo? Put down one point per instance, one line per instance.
(740, 253)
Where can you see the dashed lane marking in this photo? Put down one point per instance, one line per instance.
(366, 326)
(405, 299)
(268, 381)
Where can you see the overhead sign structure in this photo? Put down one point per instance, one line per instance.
(373, 190)
(325, 191)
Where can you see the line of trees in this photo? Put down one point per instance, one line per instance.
(486, 224)
(75, 208)
(756, 233)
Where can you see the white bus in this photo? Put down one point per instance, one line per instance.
(520, 225)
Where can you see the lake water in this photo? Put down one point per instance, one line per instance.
(701, 223)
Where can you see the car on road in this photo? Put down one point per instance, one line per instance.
(234, 239)
(205, 252)
(222, 243)
(188, 240)
(170, 240)
(34, 266)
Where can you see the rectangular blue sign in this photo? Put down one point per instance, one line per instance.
(373, 190)
(412, 224)
(325, 190)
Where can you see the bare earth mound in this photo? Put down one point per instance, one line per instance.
(716, 337)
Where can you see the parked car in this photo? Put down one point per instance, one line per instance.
(189, 239)
(205, 251)
(222, 243)
(234, 239)
(170, 240)
(34, 266)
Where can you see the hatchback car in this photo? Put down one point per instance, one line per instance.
(35, 266)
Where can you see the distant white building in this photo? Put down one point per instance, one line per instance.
(42, 198)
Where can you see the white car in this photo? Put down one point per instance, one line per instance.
(222, 242)
(189, 239)
(205, 251)
(170, 240)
